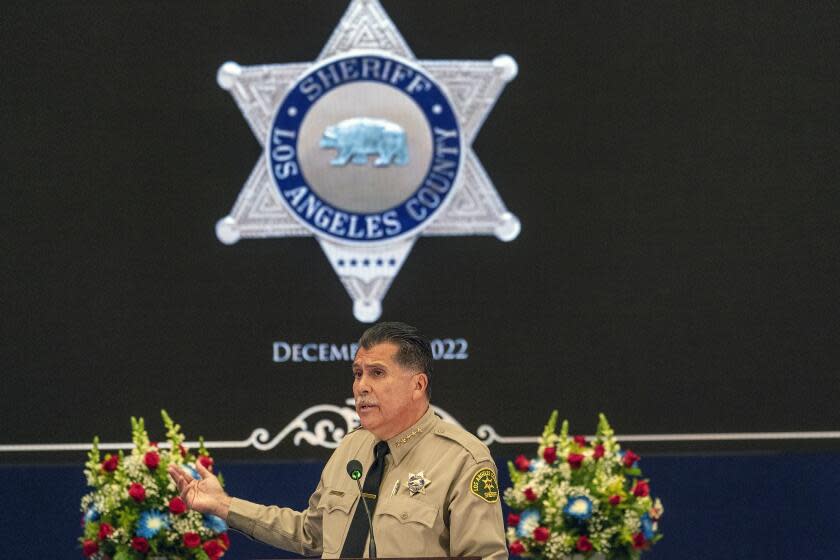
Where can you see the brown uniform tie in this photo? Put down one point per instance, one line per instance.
(354, 544)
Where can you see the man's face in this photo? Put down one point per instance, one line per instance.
(386, 393)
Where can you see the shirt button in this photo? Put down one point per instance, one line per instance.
(404, 515)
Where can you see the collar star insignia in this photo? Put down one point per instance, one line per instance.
(404, 440)
(417, 483)
(436, 183)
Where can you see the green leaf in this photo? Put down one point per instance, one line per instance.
(138, 433)
(93, 454)
(564, 433)
(123, 554)
(92, 464)
(604, 429)
(173, 433)
(91, 530)
(550, 428)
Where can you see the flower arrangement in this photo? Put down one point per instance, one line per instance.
(134, 510)
(580, 498)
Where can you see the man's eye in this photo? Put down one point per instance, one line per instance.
(378, 373)
(357, 374)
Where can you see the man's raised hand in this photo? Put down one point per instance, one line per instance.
(205, 495)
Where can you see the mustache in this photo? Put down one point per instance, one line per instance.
(366, 402)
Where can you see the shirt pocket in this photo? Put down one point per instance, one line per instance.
(335, 507)
(408, 511)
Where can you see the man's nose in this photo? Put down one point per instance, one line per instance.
(361, 386)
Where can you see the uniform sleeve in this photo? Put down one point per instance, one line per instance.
(296, 531)
(475, 513)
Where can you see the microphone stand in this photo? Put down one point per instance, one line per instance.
(372, 547)
(354, 469)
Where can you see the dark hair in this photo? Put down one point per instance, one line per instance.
(413, 351)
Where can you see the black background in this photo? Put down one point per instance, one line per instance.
(674, 166)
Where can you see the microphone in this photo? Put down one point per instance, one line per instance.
(354, 469)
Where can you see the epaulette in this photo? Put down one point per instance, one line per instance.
(472, 444)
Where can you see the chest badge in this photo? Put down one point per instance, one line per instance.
(417, 483)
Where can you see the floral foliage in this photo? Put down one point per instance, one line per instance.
(580, 497)
(134, 510)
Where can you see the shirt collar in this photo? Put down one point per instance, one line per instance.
(404, 442)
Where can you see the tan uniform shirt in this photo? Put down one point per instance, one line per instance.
(456, 512)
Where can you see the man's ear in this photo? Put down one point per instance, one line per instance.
(421, 381)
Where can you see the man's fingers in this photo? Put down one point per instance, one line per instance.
(174, 473)
(182, 478)
(178, 474)
(202, 470)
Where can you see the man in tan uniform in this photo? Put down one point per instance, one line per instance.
(439, 493)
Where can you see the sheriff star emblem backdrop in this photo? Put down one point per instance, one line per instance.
(366, 149)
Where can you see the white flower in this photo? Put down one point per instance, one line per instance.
(632, 521)
(559, 545)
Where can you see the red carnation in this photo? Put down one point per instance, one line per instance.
(580, 440)
(140, 544)
(541, 534)
(206, 461)
(512, 520)
(89, 547)
(225, 540)
(110, 463)
(641, 489)
(639, 541)
(599, 452)
(177, 506)
(153, 443)
(213, 549)
(522, 463)
(550, 455)
(516, 548)
(583, 544)
(615, 499)
(530, 495)
(630, 458)
(152, 460)
(104, 531)
(191, 540)
(137, 492)
(575, 460)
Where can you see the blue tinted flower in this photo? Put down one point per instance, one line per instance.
(536, 464)
(190, 470)
(647, 527)
(92, 514)
(151, 522)
(215, 524)
(528, 521)
(578, 507)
